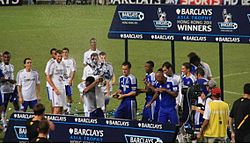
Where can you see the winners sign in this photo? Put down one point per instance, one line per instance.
(230, 24)
(76, 129)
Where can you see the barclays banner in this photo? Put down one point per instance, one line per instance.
(76, 129)
(229, 24)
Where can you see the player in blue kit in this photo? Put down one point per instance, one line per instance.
(168, 92)
(126, 93)
(150, 114)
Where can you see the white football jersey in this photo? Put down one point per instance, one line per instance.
(87, 54)
(70, 64)
(8, 72)
(93, 99)
(58, 73)
(88, 71)
(47, 69)
(28, 82)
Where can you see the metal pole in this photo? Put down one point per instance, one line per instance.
(126, 50)
(221, 70)
(173, 55)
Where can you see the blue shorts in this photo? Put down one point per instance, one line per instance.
(150, 114)
(98, 113)
(25, 105)
(127, 109)
(168, 115)
(8, 97)
(68, 90)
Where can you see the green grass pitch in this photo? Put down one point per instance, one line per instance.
(30, 31)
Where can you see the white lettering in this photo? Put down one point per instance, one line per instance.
(88, 132)
(201, 28)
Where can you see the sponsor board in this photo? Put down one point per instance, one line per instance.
(142, 139)
(21, 132)
(184, 23)
(77, 129)
(162, 22)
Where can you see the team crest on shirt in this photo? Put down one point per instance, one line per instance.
(168, 86)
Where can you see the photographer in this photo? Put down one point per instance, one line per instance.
(188, 80)
(199, 105)
(216, 117)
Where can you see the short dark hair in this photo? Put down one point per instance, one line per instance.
(94, 54)
(102, 53)
(151, 63)
(58, 51)
(167, 65)
(39, 109)
(187, 65)
(92, 39)
(247, 88)
(65, 48)
(52, 49)
(6, 53)
(127, 63)
(191, 54)
(89, 80)
(24, 61)
(200, 71)
(43, 126)
(195, 59)
(160, 70)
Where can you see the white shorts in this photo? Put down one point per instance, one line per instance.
(49, 92)
(59, 100)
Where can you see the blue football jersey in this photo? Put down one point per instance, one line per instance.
(150, 78)
(188, 81)
(166, 100)
(128, 84)
(202, 82)
(1, 73)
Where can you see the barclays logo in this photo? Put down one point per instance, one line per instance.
(162, 22)
(21, 132)
(228, 25)
(141, 139)
(131, 15)
(248, 15)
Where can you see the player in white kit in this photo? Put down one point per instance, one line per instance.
(56, 77)
(70, 64)
(28, 86)
(48, 87)
(92, 49)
